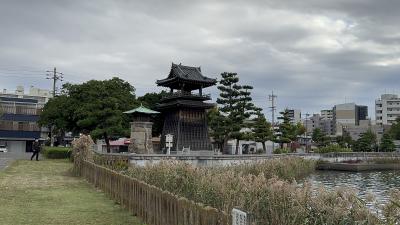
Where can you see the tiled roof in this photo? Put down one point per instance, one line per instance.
(187, 73)
(141, 109)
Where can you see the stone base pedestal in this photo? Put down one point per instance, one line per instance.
(141, 138)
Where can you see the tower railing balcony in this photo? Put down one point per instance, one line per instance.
(180, 94)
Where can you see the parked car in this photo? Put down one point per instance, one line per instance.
(3, 148)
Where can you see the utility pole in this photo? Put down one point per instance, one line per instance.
(272, 98)
(55, 76)
(306, 136)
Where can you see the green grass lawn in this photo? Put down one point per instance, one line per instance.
(44, 192)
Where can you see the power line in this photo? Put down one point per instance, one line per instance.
(55, 76)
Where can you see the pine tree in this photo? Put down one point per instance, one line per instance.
(387, 144)
(216, 125)
(230, 118)
(235, 107)
(285, 132)
(262, 129)
(366, 142)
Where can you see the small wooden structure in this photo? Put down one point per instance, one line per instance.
(141, 127)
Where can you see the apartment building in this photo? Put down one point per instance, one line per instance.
(294, 115)
(387, 109)
(321, 122)
(327, 114)
(18, 118)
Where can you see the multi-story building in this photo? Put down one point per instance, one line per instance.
(387, 109)
(18, 120)
(327, 114)
(320, 122)
(294, 115)
(348, 114)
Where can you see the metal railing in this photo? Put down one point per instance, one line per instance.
(186, 94)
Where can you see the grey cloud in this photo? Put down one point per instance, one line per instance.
(312, 53)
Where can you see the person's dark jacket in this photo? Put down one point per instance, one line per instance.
(36, 147)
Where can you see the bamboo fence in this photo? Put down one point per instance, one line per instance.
(151, 204)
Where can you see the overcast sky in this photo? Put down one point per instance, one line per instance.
(312, 53)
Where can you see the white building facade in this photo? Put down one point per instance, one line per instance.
(387, 109)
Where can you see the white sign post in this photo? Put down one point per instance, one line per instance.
(239, 217)
(169, 139)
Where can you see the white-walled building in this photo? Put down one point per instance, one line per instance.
(18, 120)
(387, 109)
(295, 115)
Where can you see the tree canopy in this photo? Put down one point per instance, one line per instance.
(319, 137)
(287, 132)
(395, 130)
(95, 105)
(262, 130)
(234, 106)
(387, 144)
(366, 142)
(150, 100)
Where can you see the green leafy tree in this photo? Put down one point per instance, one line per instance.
(344, 141)
(395, 129)
(150, 100)
(57, 114)
(366, 142)
(387, 144)
(320, 138)
(298, 129)
(96, 106)
(261, 130)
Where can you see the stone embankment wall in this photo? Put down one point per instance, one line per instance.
(224, 160)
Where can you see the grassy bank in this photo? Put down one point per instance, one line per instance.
(45, 193)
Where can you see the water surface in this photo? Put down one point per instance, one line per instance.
(376, 182)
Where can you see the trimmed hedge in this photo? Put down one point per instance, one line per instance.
(56, 152)
(332, 148)
(282, 151)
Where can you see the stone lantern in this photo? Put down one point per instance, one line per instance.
(141, 127)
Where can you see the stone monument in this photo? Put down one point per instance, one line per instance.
(141, 127)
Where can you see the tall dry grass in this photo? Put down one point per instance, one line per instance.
(268, 190)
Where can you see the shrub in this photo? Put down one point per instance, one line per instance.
(56, 152)
(332, 148)
(281, 151)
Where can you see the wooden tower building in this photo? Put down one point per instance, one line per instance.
(184, 110)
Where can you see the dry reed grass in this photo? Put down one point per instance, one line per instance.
(268, 190)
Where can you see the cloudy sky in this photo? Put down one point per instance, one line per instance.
(312, 53)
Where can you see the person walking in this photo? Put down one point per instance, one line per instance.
(36, 149)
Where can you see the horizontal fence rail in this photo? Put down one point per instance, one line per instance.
(153, 205)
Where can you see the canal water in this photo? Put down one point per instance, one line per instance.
(377, 183)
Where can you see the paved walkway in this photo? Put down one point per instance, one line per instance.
(7, 157)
